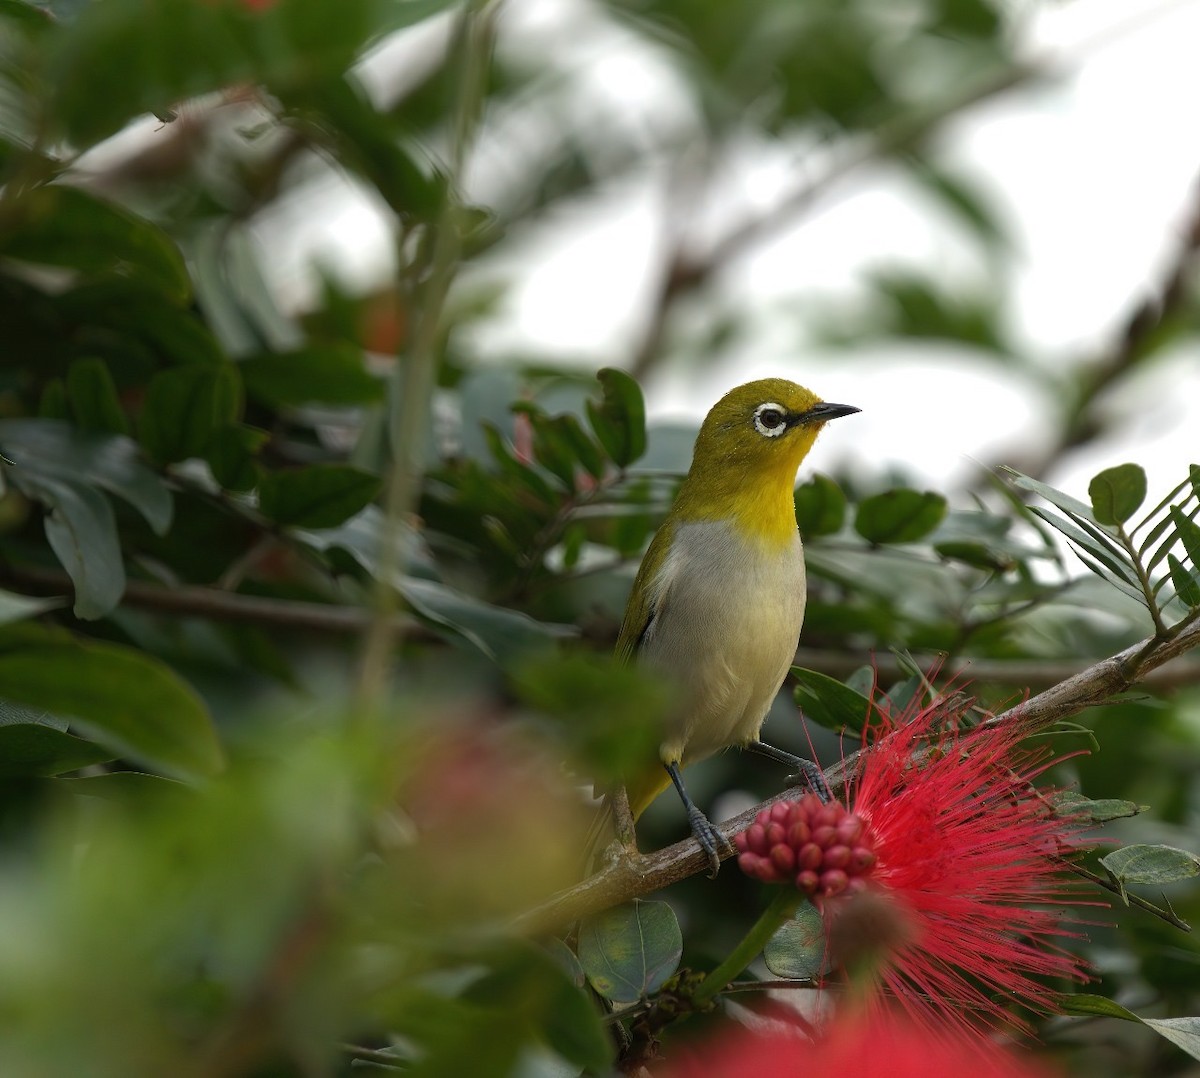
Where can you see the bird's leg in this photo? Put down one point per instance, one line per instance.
(711, 840)
(806, 771)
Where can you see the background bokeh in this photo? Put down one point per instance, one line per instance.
(352, 352)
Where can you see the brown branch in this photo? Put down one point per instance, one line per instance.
(192, 601)
(229, 606)
(623, 880)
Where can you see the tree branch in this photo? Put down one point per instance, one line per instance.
(220, 605)
(623, 880)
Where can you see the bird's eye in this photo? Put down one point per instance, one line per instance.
(770, 419)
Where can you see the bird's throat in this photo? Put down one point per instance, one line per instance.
(758, 500)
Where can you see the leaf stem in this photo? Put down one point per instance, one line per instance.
(782, 907)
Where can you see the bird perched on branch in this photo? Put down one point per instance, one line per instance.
(717, 604)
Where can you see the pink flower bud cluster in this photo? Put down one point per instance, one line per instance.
(823, 848)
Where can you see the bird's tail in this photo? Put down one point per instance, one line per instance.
(642, 790)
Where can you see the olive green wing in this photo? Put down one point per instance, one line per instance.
(643, 605)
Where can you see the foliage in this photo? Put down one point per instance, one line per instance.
(229, 846)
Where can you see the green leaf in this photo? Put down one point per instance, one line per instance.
(93, 398)
(820, 507)
(14, 607)
(185, 407)
(47, 448)
(798, 950)
(1094, 542)
(1189, 534)
(1101, 810)
(126, 701)
(828, 702)
(1184, 1033)
(619, 419)
(631, 950)
(964, 200)
(82, 532)
(319, 496)
(36, 749)
(899, 516)
(1086, 1004)
(1186, 585)
(1117, 493)
(501, 634)
(370, 142)
(1150, 865)
(1071, 506)
(315, 374)
(231, 454)
(64, 226)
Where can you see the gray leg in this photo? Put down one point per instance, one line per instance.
(806, 771)
(711, 840)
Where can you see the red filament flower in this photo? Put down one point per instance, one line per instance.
(947, 836)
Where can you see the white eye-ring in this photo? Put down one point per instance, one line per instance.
(770, 419)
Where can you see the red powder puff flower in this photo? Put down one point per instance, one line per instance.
(942, 878)
(855, 1049)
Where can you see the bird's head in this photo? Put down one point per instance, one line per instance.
(751, 444)
(759, 423)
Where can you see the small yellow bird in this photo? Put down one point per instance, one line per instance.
(719, 599)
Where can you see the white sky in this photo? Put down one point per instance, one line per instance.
(1093, 177)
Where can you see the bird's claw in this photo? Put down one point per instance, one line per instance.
(711, 840)
(808, 774)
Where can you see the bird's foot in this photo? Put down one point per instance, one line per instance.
(808, 774)
(711, 840)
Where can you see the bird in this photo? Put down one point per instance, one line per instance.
(718, 600)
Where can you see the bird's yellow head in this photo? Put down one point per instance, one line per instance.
(747, 453)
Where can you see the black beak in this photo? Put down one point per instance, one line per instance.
(819, 413)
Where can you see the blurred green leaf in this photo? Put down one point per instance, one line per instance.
(15, 607)
(35, 749)
(232, 452)
(370, 141)
(82, 532)
(93, 398)
(619, 419)
(319, 496)
(64, 226)
(126, 701)
(964, 199)
(828, 702)
(185, 407)
(608, 714)
(629, 951)
(820, 507)
(1117, 493)
(798, 950)
(536, 993)
(53, 450)
(323, 374)
(501, 634)
(899, 516)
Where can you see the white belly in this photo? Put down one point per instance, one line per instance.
(726, 637)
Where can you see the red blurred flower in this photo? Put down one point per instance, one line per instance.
(957, 909)
(855, 1049)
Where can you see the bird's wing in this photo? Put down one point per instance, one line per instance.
(647, 598)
